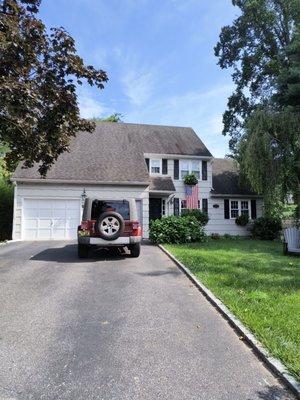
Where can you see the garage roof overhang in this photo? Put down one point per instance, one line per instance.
(80, 182)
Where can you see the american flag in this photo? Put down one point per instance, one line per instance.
(191, 196)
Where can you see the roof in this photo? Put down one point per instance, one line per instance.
(114, 152)
(159, 183)
(226, 178)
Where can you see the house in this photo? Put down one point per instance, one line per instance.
(121, 161)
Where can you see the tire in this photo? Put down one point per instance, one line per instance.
(110, 225)
(83, 250)
(135, 250)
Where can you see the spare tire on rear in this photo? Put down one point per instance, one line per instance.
(110, 225)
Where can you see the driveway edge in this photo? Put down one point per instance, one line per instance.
(273, 363)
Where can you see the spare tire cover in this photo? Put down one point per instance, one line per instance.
(110, 225)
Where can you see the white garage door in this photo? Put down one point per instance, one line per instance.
(50, 219)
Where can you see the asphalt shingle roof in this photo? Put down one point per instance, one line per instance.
(226, 178)
(161, 183)
(114, 152)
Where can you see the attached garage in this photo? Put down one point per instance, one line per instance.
(50, 219)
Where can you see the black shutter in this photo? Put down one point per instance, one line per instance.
(204, 170)
(147, 163)
(165, 166)
(176, 169)
(253, 209)
(205, 205)
(176, 206)
(226, 209)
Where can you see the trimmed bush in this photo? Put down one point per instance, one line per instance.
(6, 209)
(200, 216)
(242, 220)
(266, 228)
(215, 236)
(175, 229)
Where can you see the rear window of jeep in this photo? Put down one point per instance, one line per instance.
(119, 206)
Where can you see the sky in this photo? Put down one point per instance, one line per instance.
(159, 58)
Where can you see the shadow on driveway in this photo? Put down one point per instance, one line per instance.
(68, 254)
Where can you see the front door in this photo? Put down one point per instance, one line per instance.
(154, 208)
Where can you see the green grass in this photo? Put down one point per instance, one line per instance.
(258, 284)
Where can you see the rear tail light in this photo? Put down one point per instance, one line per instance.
(135, 225)
(84, 225)
(136, 229)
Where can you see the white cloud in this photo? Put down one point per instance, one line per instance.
(90, 107)
(138, 86)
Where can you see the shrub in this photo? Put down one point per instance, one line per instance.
(215, 236)
(175, 229)
(266, 228)
(190, 179)
(242, 220)
(200, 216)
(6, 209)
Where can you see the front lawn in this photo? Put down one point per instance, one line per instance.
(258, 284)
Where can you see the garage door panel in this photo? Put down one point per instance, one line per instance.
(59, 213)
(73, 214)
(50, 219)
(30, 234)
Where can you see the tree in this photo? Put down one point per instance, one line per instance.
(116, 117)
(269, 151)
(254, 46)
(39, 73)
(263, 115)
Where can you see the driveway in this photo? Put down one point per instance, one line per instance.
(116, 328)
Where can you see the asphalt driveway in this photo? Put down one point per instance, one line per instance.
(116, 328)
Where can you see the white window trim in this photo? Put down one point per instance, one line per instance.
(160, 166)
(190, 167)
(239, 207)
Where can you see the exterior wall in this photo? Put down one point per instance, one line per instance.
(218, 224)
(204, 186)
(57, 191)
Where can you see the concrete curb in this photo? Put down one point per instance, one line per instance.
(274, 364)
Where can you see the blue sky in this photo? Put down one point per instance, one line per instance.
(159, 58)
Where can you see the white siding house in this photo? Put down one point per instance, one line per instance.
(129, 161)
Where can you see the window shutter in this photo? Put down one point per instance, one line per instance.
(253, 209)
(147, 163)
(204, 170)
(164, 166)
(226, 209)
(205, 205)
(176, 206)
(176, 169)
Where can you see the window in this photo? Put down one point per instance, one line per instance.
(195, 169)
(163, 207)
(245, 208)
(239, 207)
(100, 206)
(234, 209)
(189, 167)
(184, 168)
(155, 166)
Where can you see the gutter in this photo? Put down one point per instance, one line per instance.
(79, 182)
(230, 196)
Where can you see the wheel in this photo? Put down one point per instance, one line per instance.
(83, 250)
(135, 249)
(110, 225)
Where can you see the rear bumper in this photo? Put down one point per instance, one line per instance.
(121, 241)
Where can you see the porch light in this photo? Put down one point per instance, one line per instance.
(83, 197)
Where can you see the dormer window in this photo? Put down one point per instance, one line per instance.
(155, 166)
